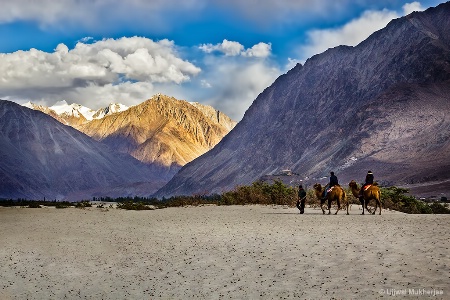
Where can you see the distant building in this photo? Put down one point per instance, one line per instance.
(286, 176)
(286, 172)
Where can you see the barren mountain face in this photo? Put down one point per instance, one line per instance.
(42, 158)
(382, 105)
(162, 131)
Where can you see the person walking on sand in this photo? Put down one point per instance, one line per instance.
(301, 199)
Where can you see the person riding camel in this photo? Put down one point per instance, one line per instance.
(333, 181)
(301, 199)
(368, 181)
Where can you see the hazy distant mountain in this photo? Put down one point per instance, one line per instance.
(41, 157)
(382, 105)
(162, 131)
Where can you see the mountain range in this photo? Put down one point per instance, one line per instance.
(73, 152)
(43, 158)
(382, 105)
(162, 131)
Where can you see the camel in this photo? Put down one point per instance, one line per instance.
(337, 194)
(372, 193)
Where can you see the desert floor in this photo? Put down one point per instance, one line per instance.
(221, 252)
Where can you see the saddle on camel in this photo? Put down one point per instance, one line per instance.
(336, 193)
(369, 191)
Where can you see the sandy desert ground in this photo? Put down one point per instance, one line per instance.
(221, 252)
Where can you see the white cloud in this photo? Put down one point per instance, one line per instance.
(353, 32)
(258, 50)
(410, 7)
(228, 48)
(350, 34)
(91, 14)
(291, 63)
(99, 63)
(235, 81)
(124, 69)
(95, 14)
(204, 83)
(231, 48)
(128, 93)
(86, 39)
(102, 15)
(130, 70)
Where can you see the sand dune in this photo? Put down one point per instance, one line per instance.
(217, 252)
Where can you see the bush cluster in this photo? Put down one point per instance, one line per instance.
(83, 204)
(261, 193)
(35, 203)
(395, 198)
(130, 205)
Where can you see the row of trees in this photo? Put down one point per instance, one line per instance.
(276, 193)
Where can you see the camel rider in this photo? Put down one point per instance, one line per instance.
(333, 181)
(301, 199)
(368, 181)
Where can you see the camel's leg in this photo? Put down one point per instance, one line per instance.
(379, 202)
(366, 203)
(348, 204)
(363, 203)
(339, 206)
(321, 206)
(329, 206)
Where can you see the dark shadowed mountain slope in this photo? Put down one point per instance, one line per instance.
(40, 157)
(381, 105)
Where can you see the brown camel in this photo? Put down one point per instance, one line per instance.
(337, 194)
(372, 193)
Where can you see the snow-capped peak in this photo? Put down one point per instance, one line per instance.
(63, 109)
(74, 109)
(109, 110)
(29, 104)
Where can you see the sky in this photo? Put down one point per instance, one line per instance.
(217, 52)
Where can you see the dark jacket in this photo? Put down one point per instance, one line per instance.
(369, 179)
(301, 193)
(333, 181)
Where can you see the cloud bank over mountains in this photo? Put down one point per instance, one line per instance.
(353, 32)
(228, 75)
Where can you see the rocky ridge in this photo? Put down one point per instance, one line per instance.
(162, 130)
(381, 105)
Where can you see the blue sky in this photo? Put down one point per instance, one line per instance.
(217, 52)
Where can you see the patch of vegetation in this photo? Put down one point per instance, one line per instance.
(261, 193)
(395, 198)
(34, 204)
(439, 208)
(63, 204)
(83, 204)
(130, 205)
